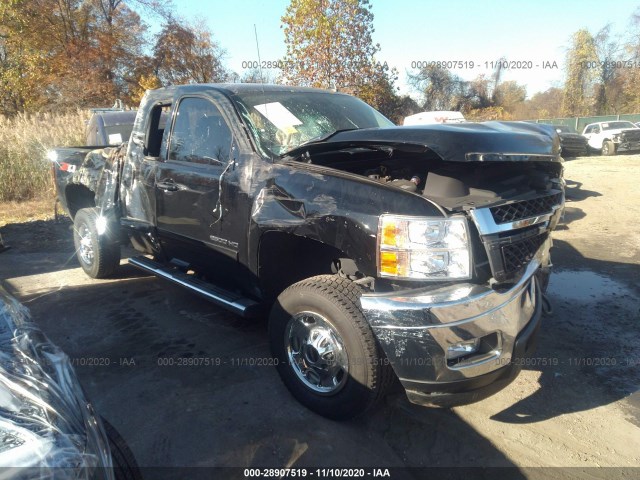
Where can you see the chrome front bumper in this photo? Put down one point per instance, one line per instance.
(416, 329)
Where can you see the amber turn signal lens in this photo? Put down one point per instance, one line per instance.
(389, 234)
(389, 262)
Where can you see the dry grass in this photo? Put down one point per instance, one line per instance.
(25, 172)
(26, 211)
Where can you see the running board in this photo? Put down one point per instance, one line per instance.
(223, 298)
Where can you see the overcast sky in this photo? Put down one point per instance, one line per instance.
(531, 32)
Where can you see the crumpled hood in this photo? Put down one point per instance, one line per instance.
(463, 142)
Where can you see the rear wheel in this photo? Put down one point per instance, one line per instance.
(326, 353)
(98, 252)
(608, 148)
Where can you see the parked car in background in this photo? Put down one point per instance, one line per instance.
(48, 429)
(612, 137)
(109, 127)
(573, 144)
(428, 118)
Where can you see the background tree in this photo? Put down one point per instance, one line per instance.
(581, 71)
(382, 94)
(256, 75)
(439, 89)
(509, 95)
(547, 104)
(67, 53)
(329, 44)
(629, 81)
(608, 50)
(483, 98)
(186, 53)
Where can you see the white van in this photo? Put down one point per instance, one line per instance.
(426, 118)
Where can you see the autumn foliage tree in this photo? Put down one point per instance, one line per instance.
(66, 52)
(580, 78)
(185, 53)
(77, 53)
(329, 43)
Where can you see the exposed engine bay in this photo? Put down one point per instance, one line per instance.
(453, 185)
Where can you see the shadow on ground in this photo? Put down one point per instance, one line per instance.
(581, 368)
(188, 384)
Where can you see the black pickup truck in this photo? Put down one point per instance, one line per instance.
(377, 252)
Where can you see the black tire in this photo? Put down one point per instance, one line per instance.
(99, 255)
(322, 304)
(608, 148)
(124, 462)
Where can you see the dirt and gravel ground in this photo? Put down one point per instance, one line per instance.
(576, 405)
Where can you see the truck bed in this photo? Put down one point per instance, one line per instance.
(65, 163)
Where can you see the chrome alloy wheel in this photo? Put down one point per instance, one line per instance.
(85, 247)
(316, 353)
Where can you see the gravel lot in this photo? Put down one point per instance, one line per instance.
(575, 406)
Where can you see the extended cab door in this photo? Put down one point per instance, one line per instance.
(200, 152)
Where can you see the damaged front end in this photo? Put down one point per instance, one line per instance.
(458, 298)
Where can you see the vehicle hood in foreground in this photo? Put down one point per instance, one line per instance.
(464, 142)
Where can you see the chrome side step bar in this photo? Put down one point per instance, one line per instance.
(231, 301)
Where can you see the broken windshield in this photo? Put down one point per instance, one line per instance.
(284, 120)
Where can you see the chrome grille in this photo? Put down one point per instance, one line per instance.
(528, 208)
(518, 254)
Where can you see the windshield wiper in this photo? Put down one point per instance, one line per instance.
(319, 138)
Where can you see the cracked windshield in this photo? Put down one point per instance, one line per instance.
(281, 121)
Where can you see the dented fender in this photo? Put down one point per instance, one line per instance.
(332, 207)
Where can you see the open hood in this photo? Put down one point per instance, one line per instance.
(464, 142)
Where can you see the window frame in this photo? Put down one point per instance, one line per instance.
(173, 118)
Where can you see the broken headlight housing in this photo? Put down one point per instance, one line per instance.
(419, 248)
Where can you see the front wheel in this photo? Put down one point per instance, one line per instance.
(326, 353)
(125, 466)
(608, 148)
(98, 251)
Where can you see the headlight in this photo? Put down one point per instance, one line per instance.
(423, 248)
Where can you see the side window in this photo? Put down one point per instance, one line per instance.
(200, 134)
(588, 130)
(596, 129)
(155, 132)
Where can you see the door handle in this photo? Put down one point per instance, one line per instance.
(167, 185)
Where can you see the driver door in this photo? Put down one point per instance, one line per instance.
(199, 151)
